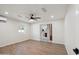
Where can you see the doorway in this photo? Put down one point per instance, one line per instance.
(46, 32)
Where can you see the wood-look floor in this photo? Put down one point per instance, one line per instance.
(32, 47)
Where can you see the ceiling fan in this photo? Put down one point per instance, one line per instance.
(33, 18)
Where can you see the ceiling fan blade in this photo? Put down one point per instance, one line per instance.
(37, 18)
(27, 17)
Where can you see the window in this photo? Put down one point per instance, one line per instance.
(21, 28)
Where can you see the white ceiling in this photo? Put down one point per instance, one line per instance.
(19, 11)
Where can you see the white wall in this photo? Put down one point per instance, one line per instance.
(57, 30)
(77, 26)
(70, 29)
(9, 32)
(35, 29)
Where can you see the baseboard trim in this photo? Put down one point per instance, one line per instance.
(10, 43)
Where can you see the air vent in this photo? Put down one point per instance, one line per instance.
(44, 9)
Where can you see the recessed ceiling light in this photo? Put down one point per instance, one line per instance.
(6, 12)
(52, 16)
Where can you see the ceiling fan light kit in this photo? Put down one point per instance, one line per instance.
(31, 21)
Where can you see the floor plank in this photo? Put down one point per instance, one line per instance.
(32, 47)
